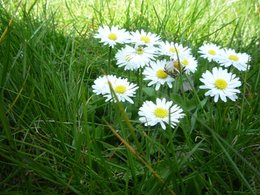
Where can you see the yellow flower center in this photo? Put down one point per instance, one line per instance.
(128, 57)
(161, 74)
(221, 84)
(173, 50)
(112, 36)
(233, 57)
(145, 39)
(185, 62)
(139, 50)
(160, 112)
(212, 52)
(120, 89)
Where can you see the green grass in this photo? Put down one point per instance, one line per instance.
(57, 137)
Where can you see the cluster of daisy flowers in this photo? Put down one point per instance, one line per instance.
(221, 83)
(160, 61)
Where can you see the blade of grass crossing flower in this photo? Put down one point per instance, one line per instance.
(125, 117)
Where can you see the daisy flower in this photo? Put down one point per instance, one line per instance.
(238, 60)
(188, 63)
(173, 50)
(220, 84)
(156, 74)
(124, 57)
(123, 90)
(101, 86)
(160, 112)
(210, 51)
(132, 58)
(111, 36)
(120, 86)
(144, 38)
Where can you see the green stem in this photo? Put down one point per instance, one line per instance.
(140, 83)
(109, 60)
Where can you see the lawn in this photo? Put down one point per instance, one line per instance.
(80, 115)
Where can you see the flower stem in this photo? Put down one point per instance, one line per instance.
(140, 83)
(109, 60)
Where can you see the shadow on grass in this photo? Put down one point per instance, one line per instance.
(43, 76)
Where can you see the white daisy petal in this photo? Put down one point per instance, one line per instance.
(156, 75)
(132, 58)
(144, 38)
(122, 88)
(112, 36)
(220, 84)
(101, 85)
(188, 63)
(173, 50)
(210, 51)
(162, 112)
(238, 60)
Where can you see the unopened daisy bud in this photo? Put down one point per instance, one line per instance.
(173, 68)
